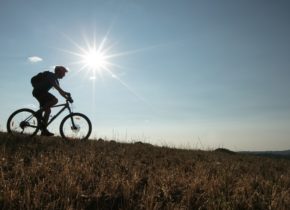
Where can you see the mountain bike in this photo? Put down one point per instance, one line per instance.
(28, 122)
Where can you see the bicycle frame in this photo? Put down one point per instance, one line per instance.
(73, 125)
(65, 106)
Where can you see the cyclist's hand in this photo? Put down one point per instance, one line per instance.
(69, 98)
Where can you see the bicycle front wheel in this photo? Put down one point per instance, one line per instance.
(75, 126)
(23, 121)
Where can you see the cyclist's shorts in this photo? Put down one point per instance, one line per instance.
(43, 97)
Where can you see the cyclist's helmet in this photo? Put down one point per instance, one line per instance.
(60, 70)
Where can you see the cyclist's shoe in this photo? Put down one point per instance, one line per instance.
(45, 132)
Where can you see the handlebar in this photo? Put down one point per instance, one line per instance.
(69, 98)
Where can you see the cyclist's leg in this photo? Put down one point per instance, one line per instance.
(50, 101)
(46, 101)
(38, 95)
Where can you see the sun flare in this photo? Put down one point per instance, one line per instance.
(94, 60)
(93, 57)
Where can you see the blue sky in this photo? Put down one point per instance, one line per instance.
(188, 73)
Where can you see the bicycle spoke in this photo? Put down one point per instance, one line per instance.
(75, 126)
(23, 121)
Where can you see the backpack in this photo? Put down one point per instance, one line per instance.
(38, 79)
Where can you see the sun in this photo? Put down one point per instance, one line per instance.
(94, 59)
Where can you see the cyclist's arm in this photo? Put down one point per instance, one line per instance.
(61, 91)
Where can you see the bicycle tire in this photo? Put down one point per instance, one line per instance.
(33, 122)
(65, 132)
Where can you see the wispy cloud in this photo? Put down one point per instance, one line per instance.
(34, 59)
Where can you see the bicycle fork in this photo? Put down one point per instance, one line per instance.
(73, 127)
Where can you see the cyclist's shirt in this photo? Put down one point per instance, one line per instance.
(48, 80)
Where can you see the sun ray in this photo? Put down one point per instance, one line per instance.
(95, 59)
(74, 43)
(127, 86)
(132, 51)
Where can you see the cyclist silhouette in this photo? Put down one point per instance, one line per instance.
(42, 83)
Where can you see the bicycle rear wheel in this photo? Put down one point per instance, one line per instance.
(23, 121)
(75, 126)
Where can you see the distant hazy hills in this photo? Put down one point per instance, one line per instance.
(278, 154)
(283, 153)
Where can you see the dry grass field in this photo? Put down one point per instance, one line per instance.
(48, 173)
